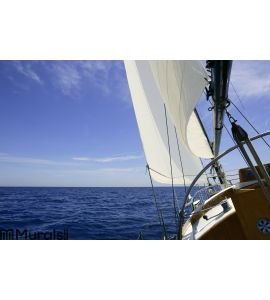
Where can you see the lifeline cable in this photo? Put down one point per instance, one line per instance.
(174, 197)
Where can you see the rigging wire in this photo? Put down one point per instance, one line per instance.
(159, 173)
(207, 176)
(246, 118)
(174, 196)
(249, 122)
(237, 95)
(232, 119)
(180, 157)
(159, 212)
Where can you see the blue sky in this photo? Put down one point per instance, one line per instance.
(71, 123)
(67, 123)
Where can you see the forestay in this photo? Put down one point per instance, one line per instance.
(148, 102)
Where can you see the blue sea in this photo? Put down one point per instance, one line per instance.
(88, 213)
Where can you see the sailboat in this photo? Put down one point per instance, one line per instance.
(179, 151)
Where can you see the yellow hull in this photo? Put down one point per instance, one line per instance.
(246, 218)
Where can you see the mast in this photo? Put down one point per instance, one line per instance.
(220, 78)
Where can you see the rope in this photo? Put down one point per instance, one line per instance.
(190, 175)
(159, 173)
(182, 168)
(174, 197)
(159, 212)
(249, 123)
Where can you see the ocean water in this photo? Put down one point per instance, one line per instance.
(88, 213)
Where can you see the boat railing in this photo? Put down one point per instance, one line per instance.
(198, 198)
(232, 179)
(205, 193)
(203, 171)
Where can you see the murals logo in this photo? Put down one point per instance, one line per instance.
(25, 234)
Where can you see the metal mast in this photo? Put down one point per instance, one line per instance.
(218, 89)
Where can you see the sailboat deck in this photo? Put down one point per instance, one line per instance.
(246, 205)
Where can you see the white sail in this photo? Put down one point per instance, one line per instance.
(150, 113)
(181, 84)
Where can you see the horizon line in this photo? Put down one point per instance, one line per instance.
(27, 186)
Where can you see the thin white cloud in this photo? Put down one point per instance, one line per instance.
(109, 159)
(26, 69)
(66, 173)
(119, 158)
(81, 158)
(30, 160)
(102, 177)
(67, 75)
(75, 77)
(111, 170)
(71, 77)
(4, 157)
(251, 78)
